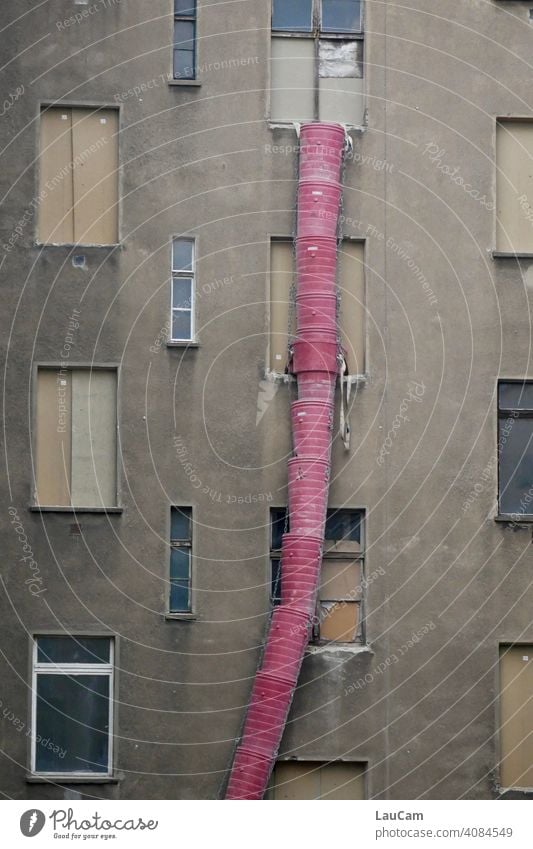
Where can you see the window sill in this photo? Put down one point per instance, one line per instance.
(290, 125)
(191, 344)
(190, 83)
(511, 255)
(37, 508)
(186, 617)
(281, 377)
(60, 778)
(80, 245)
(346, 648)
(514, 518)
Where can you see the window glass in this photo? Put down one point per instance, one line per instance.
(341, 15)
(292, 16)
(180, 564)
(181, 292)
(184, 34)
(516, 396)
(343, 525)
(185, 7)
(60, 650)
(72, 728)
(181, 325)
(179, 597)
(182, 255)
(180, 523)
(276, 581)
(516, 466)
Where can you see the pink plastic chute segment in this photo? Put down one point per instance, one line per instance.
(315, 362)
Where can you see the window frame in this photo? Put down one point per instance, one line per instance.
(74, 669)
(183, 275)
(331, 556)
(317, 35)
(179, 545)
(189, 19)
(34, 505)
(504, 413)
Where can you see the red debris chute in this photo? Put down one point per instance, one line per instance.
(315, 361)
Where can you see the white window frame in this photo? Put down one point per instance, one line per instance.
(72, 669)
(181, 274)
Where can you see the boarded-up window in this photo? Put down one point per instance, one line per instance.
(340, 598)
(516, 716)
(299, 780)
(351, 279)
(76, 437)
(317, 62)
(78, 189)
(514, 186)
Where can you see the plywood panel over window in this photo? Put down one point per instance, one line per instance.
(281, 278)
(293, 79)
(514, 186)
(76, 438)
(516, 716)
(352, 314)
(78, 168)
(298, 780)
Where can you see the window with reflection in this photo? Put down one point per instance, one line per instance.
(515, 448)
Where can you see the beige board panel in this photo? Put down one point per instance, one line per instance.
(353, 312)
(53, 437)
(56, 193)
(281, 278)
(292, 781)
(342, 781)
(341, 100)
(94, 401)
(338, 621)
(95, 148)
(296, 781)
(516, 716)
(292, 79)
(340, 579)
(514, 186)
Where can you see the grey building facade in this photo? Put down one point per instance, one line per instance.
(148, 187)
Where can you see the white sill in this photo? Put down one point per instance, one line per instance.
(281, 377)
(66, 778)
(38, 508)
(511, 255)
(514, 518)
(186, 617)
(335, 648)
(78, 244)
(183, 343)
(191, 83)
(290, 125)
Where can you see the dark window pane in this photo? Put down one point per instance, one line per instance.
(73, 650)
(341, 15)
(180, 523)
(181, 292)
(343, 525)
(516, 466)
(184, 65)
(292, 16)
(276, 581)
(180, 562)
(516, 396)
(179, 597)
(72, 728)
(277, 519)
(181, 325)
(182, 255)
(185, 7)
